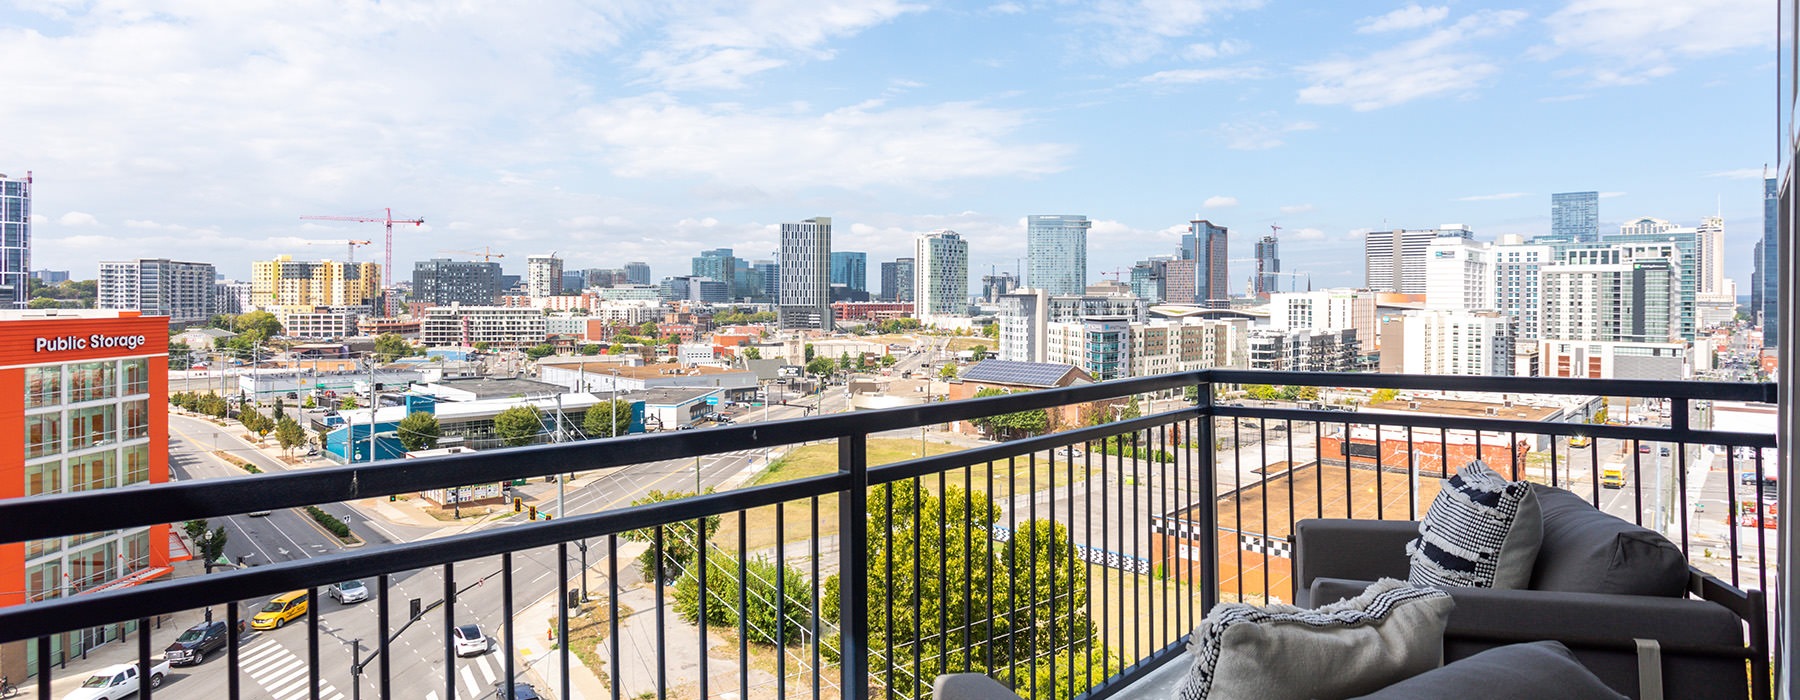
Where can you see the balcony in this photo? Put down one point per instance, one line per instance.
(1071, 564)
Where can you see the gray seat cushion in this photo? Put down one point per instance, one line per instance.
(1534, 671)
(1588, 551)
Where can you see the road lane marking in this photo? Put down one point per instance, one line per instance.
(468, 677)
(280, 683)
(487, 672)
(267, 662)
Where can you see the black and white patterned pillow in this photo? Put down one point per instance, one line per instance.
(1391, 632)
(1481, 531)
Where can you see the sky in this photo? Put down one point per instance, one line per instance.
(623, 130)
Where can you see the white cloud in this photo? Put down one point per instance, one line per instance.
(1492, 197)
(1306, 234)
(1632, 41)
(1219, 202)
(720, 46)
(1261, 132)
(1433, 65)
(1137, 30)
(77, 219)
(1297, 208)
(1006, 8)
(853, 147)
(1610, 195)
(1409, 17)
(1206, 51)
(1190, 76)
(1741, 174)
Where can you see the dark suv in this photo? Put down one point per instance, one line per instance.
(193, 645)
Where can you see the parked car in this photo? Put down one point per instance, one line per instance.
(279, 610)
(198, 641)
(521, 691)
(348, 592)
(116, 681)
(1643, 448)
(470, 641)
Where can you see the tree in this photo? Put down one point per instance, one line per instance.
(607, 419)
(308, 402)
(843, 362)
(390, 346)
(992, 331)
(948, 371)
(482, 346)
(250, 419)
(754, 593)
(810, 352)
(590, 348)
(1007, 426)
(968, 602)
(43, 303)
(419, 430)
(679, 546)
(820, 367)
(540, 351)
(261, 323)
(518, 425)
(289, 434)
(210, 543)
(979, 350)
(1384, 396)
(752, 353)
(347, 403)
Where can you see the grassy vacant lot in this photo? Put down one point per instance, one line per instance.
(819, 459)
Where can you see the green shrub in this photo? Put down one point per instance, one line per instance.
(758, 607)
(330, 523)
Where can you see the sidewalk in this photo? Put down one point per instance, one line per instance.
(67, 677)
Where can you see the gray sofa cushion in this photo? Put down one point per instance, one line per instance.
(1481, 531)
(1279, 652)
(1589, 551)
(1535, 671)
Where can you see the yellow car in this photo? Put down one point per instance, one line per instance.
(279, 610)
(1578, 441)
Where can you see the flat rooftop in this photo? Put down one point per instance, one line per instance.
(638, 372)
(500, 387)
(1466, 408)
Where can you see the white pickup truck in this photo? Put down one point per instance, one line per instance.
(117, 681)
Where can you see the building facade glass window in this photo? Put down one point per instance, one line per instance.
(91, 381)
(45, 477)
(43, 434)
(137, 465)
(93, 472)
(137, 376)
(136, 419)
(92, 426)
(43, 386)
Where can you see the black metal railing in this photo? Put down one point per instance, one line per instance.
(1071, 563)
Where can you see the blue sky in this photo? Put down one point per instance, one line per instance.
(653, 130)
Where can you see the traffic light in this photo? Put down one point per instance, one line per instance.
(392, 498)
(533, 512)
(416, 608)
(546, 517)
(518, 504)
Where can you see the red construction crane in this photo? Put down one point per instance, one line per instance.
(1274, 230)
(387, 219)
(352, 244)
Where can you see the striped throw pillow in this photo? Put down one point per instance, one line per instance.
(1482, 531)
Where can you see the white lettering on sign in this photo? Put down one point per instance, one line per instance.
(97, 341)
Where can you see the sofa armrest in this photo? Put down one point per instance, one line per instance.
(1363, 550)
(969, 686)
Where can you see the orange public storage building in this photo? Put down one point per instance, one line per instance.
(83, 405)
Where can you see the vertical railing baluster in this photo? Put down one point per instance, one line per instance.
(143, 630)
(1731, 528)
(818, 603)
(853, 529)
(1208, 528)
(562, 616)
(743, 611)
(383, 677)
(234, 657)
(781, 611)
(918, 583)
(661, 575)
(506, 609)
(312, 643)
(703, 593)
(562, 634)
(43, 667)
(1412, 477)
(612, 618)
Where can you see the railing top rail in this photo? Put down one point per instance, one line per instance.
(1712, 391)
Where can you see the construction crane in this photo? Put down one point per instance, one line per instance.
(387, 219)
(351, 245)
(486, 254)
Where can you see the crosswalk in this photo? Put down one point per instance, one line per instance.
(281, 673)
(466, 684)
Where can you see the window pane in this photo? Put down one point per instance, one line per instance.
(137, 464)
(89, 381)
(137, 418)
(95, 471)
(137, 375)
(92, 426)
(45, 477)
(43, 386)
(43, 434)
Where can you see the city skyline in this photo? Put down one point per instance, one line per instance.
(972, 141)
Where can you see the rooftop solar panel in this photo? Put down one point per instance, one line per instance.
(1037, 374)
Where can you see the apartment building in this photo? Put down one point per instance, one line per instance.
(183, 291)
(500, 327)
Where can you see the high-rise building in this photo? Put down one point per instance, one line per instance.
(1394, 261)
(1649, 237)
(637, 273)
(768, 280)
(897, 280)
(942, 275)
(1477, 343)
(285, 284)
(1025, 314)
(994, 285)
(231, 297)
(1575, 216)
(1607, 296)
(86, 408)
(574, 280)
(850, 269)
(1459, 274)
(1324, 310)
(1517, 283)
(1767, 286)
(804, 298)
(15, 241)
(1056, 246)
(50, 277)
(720, 265)
(1710, 260)
(1150, 279)
(442, 282)
(183, 291)
(694, 288)
(543, 276)
(1296, 350)
(1206, 245)
(502, 327)
(1268, 263)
